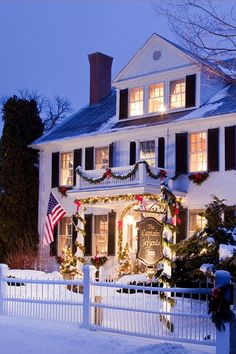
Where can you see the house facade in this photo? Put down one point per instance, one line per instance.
(165, 111)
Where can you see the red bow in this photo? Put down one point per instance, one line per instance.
(77, 203)
(120, 224)
(139, 198)
(108, 173)
(176, 211)
(162, 174)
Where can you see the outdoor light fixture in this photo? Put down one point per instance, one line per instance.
(129, 219)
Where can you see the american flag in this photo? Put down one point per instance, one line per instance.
(54, 214)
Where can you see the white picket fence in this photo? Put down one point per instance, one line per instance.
(167, 313)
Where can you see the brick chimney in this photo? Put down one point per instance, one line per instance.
(100, 76)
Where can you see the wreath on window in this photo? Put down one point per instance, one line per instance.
(219, 307)
(198, 178)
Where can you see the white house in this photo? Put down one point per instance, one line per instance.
(165, 107)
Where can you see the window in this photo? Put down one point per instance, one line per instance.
(198, 152)
(66, 175)
(147, 151)
(196, 221)
(101, 158)
(156, 97)
(65, 234)
(136, 101)
(101, 234)
(177, 94)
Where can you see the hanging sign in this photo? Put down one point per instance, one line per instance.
(149, 241)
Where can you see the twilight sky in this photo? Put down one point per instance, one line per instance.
(44, 43)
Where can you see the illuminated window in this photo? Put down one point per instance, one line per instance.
(156, 97)
(101, 158)
(198, 152)
(136, 101)
(66, 169)
(147, 151)
(101, 234)
(65, 234)
(196, 221)
(177, 94)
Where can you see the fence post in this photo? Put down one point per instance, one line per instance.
(87, 270)
(223, 277)
(3, 287)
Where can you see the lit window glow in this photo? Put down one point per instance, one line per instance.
(66, 170)
(136, 101)
(196, 221)
(156, 97)
(101, 158)
(65, 235)
(198, 152)
(177, 94)
(101, 234)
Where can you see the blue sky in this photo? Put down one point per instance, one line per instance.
(45, 43)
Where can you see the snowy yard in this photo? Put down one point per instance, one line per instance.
(32, 336)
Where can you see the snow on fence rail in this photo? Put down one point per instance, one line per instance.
(167, 313)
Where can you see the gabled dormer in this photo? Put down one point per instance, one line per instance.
(161, 78)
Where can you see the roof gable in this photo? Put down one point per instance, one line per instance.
(143, 62)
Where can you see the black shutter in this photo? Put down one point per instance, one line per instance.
(132, 153)
(55, 169)
(182, 228)
(213, 149)
(230, 216)
(111, 155)
(89, 158)
(74, 235)
(181, 153)
(190, 94)
(161, 152)
(88, 234)
(77, 162)
(54, 244)
(123, 104)
(230, 148)
(111, 233)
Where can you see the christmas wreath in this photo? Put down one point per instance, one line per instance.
(219, 307)
(98, 261)
(198, 178)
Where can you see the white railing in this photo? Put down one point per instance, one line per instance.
(167, 313)
(139, 178)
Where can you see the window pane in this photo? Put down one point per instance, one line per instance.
(136, 101)
(147, 151)
(66, 170)
(177, 94)
(156, 97)
(198, 152)
(101, 234)
(101, 158)
(196, 222)
(65, 234)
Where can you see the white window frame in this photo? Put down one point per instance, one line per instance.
(144, 101)
(189, 153)
(66, 169)
(155, 152)
(169, 98)
(67, 235)
(94, 236)
(196, 211)
(100, 147)
(148, 98)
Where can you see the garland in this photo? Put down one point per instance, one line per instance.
(219, 306)
(198, 178)
(109, 173)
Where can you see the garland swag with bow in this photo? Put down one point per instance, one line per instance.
(109, 173)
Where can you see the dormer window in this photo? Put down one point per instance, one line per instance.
(156, 97)
(177, 94)
(136, 95)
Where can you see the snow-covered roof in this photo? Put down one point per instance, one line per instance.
(101, 118)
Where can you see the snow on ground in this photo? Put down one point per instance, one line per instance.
(32, 336)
